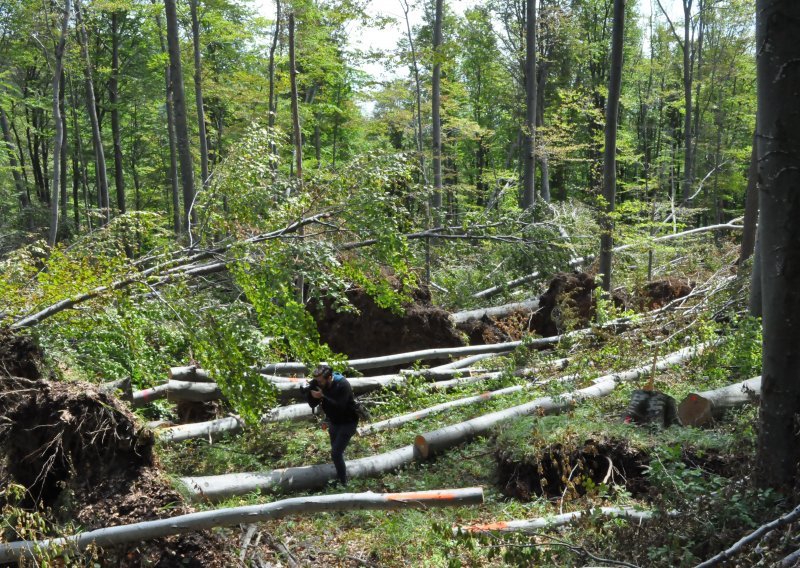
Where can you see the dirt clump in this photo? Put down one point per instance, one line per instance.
(561, 470)
(483, 331)
(568, 302)
(80, 455)
(20, 356)
(376, 331)
(659, 293)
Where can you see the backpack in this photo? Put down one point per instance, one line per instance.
(362, 411)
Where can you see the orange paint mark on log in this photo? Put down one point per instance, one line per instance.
(486, 395)
(693, 397)
(422, 496)
(487, 527)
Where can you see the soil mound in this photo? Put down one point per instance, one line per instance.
(569, 471)
(483, 331)
(376, 331)
(661, 292)
(20, 356)
(568, 302)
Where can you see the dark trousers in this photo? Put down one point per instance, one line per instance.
(340, 436)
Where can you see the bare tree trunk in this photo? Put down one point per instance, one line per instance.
(529, 156)
(417, 89)
(113, 96)
(64, 146)
(699, 409)
(273, 106)
(687, 96)
(198, 95)
(19, 183)
(297, 134)
(173, 152)
(778, 122)
(750, 207)
(97, 137)
(58, 137)
(179, 108)
(544, 164)
(436, 104)
(610, 159)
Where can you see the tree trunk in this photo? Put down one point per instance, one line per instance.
(700, 409)
(610, 158)
(437, 441)
(64, 148)
(58, 137)
(497, 311)
(750, 207)
(230, 517)
(113, 96)
(778, 122)
(417, 92)
(178, 390)
(198, 95)
(179, 108)
(97, 137)
(297, 135)
(535, 526)
(529, 156)
(687, 98)
(19, 183)
(173, 152)
(273, 106)
(436, 104)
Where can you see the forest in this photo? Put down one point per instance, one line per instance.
(548, 245)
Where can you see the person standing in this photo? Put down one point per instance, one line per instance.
(334, 393)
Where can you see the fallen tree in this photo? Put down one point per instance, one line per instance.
(189, 373)
(178, 390)
(535, 525)
(575, 262)
(494, 312)
(430, 443)
(699, 409)
(147, 530)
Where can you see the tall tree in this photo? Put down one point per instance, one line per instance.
(610, 156)
(297, 135)
(529, 155)
(198, 94)
(58, 137)
(273, 104)
(179, 108)
(19, 183)
(113, 96)
(436, 106)
(778, 125)
(91, 106)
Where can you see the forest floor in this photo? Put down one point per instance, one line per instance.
(89, 462)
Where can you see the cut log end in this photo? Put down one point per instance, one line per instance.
(421, 448)
(695, 410)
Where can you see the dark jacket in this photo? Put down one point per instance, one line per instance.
(337, 402)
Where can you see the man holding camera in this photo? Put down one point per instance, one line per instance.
(334, 393)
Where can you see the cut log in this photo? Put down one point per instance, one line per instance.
(217, 487)
(700, 409)
(495, 312)
(422, 355)
(430, 443)
(178, 390)
(120, 388)
(397, 421)
(535, 525)
(215, 429)
(181, 524)
(190, 373)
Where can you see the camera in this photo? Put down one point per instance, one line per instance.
(309, 386)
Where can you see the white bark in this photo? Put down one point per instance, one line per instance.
(699, 409)
(494, 312)
(178, 390)
(494, 290)
(189, 373)
(535, 525)
(465, 362)
(181, 524)
(396, 421)
(217, 487)
(438, 440)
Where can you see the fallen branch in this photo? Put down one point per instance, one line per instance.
(430, 443)
(137, 532)
(494, 290)
(699, 409)
(533, 525)
(754, 536)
